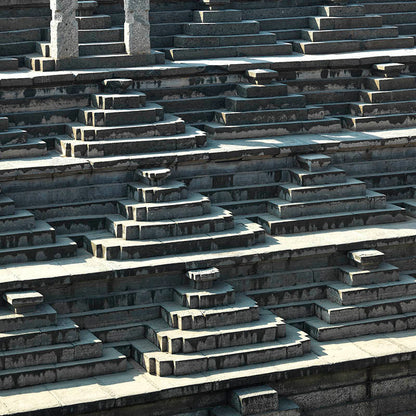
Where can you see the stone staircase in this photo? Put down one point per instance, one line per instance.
(101, 45)
(161, 217)
(209, 328)
(23, 239)
(14, 142)
(369, 297)
(120, 122)
(38, 347)
(348, 28)
(221, 32)
(388, 101)
(321, 197)
(256, 401)
(264, 108)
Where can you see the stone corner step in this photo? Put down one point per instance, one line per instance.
(256, 399)
(203, 278)
(313, 162)
(366, 259)
(24, 301)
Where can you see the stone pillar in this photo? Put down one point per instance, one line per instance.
(64, 29)
(137, 27)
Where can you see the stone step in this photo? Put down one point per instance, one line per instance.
(304, 177)
(342, 10)
(379, 122)
(41, 234)
(195, 205)
(221, 28)
(119, 315)
(104, 245)
(300, 292)
(191, 138)
(214, 16)
(4, 124)
(393, 18)
(296, 193)
(239, 104)
(275, 23)
(313, 162)
(284, 209)
(189, 41)
(113, 34)
(366, 259)
(62, 248)
(101, 48)
(202, 279)
(38, 63)
(269, 116)
(376, 109)
(323, 331)
(390, 7)
(8, 64)
(42, 316)
(390, 83)
(218, 220)
(86, 7)
(65, 331)
(279, 48)
(22, 35)
(18, 220)
(94, 22)
(248, 400)
(120, 333)
(162, 364)
(350, 34)
(241, 193)
(343, 294)
(243, 310)
(218, 131)
(121, 117)
(170, 191)
(171, 125)
(7, 206)
(333, 313)
(267, 329)
(13, 136)
(279, 226)
(32, 148)
(345, 22)
(354, 276)
(23, 22)
(112, 101)
(337, 46)
(275, 89)
(369, 96)
(110, 362)
(88, 347)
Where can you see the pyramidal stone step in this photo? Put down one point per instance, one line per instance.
(240, 104)
(112, 101)
(296, 343)
(313, 162)
(389, 69)
(306, 178)
(261, 76)
(382, 273)
(155, 176)
(154, 191)
(24, 301)
(366, 259)
(257, 399)
(267, 329)
(243, 310)
(203, 278)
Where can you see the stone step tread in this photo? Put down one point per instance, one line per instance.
(41, 310)
(107, 239)
(121, 111)
(381, 267)
(192, 198)
(284, 202)
(267, 320)
(272, 219)
(19, 213)
(348, 182)
(241, 303)
(38, 228)
(60, 242)
(345, 288)
(216, 213)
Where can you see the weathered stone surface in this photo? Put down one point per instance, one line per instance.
(137, 27)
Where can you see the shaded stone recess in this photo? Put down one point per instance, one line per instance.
(207, 208)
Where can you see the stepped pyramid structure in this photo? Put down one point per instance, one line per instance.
(207, 207)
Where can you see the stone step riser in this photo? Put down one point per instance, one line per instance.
(109, 119)
(286, 211)
(139, 193)
(329, 23)
(365, 110)
(381, 122)
(388, 84)
(107, 48)
(28, 321)
(120, 101)
(241, 194)
(217, 16)
(207, 29)
(368, 277)
(303, 194)
(370, 294)
(204, 300)
(106, 35)
(20, 238)
(94, 22)
(261, 91)
(155, 213)
(355, 219)
(290, 101)
(388, 96)
(317, 178)
(348, 34)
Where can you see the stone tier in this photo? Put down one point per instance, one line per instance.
(264, 108)
(388, 100)
(321, 197)
(347, 28)
(120, 123)
(223, 33)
